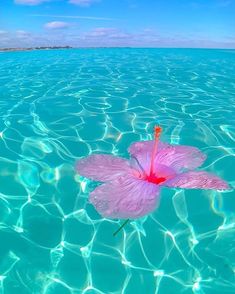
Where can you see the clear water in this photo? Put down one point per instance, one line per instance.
(58, 106)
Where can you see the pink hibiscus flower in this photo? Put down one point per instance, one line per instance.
(132, 187)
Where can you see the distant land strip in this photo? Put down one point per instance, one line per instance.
(35, 48)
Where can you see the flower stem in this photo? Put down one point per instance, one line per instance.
(119, 229)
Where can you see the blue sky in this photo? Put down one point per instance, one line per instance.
(135, 23)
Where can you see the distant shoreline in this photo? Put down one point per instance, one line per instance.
(103, 47)
(34, 48)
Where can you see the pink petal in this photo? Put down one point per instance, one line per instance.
(177, 157)
(145, 146)
(180, 157)
(102, 167)
(142, 151)
(198, 180)
(125, 197)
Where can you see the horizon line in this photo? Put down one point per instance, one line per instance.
(103, 47)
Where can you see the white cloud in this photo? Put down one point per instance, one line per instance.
(22, 34)
(3, 32)
(107, 33)
(82, 2)
(101, 32)
(106, 37)
(23, 39)
(73, 16)
(54, 25)
(30, 2)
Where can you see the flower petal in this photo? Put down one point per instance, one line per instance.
(142, 151)
(145, 146)
(198, 180)
(125, 197)
(177, 157)
(102, 167)
(180, 157)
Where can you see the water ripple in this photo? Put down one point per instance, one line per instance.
(58, 106)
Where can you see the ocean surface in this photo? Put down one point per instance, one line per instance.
(57, 106)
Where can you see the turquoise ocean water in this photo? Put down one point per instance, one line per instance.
(60, 105)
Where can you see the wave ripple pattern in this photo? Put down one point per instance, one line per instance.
(60, 105)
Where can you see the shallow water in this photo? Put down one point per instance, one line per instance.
(58, 106)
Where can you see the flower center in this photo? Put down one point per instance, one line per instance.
(155, 180)
(151, 176)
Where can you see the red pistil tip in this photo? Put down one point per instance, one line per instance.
(157, 131)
